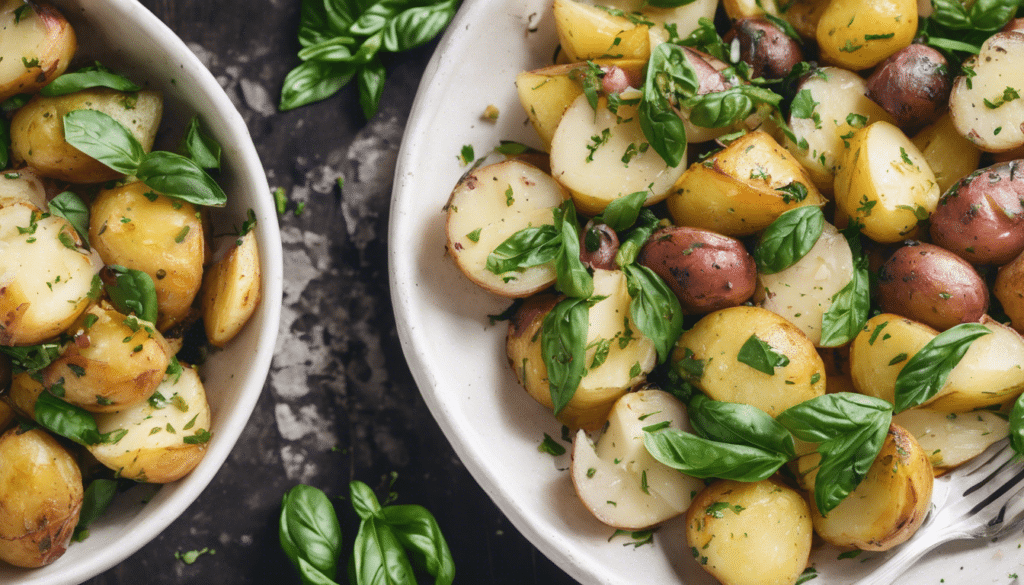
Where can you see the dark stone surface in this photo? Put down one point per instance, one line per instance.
(340, 403)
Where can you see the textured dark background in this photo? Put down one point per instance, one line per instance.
(340, 403)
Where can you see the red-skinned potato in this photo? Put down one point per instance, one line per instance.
(913, 85)
(36, 45)
(598, 246)
(981, 217)
(706, 270)
(769, 51)
(932, 285)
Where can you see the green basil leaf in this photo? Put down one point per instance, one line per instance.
(528, 247)
(74, 210)
(5, 143)
(176, 176)
(364, 501)
(72, 82)
(417, 25)
(788, 239)
(1017, 426)
(849, 429)
(991, 15)
(705, 38)
(313, 81)
(654, 308)
(95, 501)
(670, 79)
(759, 355)
(573, 279)
(848, 311)
(66, 420)
(378, 556)
(132, 291)
(309, 532)
(419, 534)
(104, 139)
(704, 459)
(621, 212)
(563, 348)
(725, 108)
(377, 16)
(341, 14)
(590, 79)
(950, 13)
(629, 246)
(200, 147)
(30, 358)
(739, 424)
(926, 372)
(669, 3)
(313, 25)
(333, 50)
(371, 86)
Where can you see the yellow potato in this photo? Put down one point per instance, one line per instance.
(950, 156)
(22, 185)
(985, 103)
(951, 438)
(132, 226)
(231, 291)
(36, 45)
(587, 32)
(858, 34)
(40, 498)
(804, 16)
(881, 350)
(742, 189)
(23, 394)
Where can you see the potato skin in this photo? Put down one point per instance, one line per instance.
(769, 51)
(41, 493)
(913, 85)
(981, 217)
(932, 285)
(47, 32)
(1009, 290)
(706, 270)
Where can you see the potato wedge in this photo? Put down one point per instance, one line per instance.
(166, 436)
(991, 373)
(618, 480)
(231, 291)
(950, 438)
(857, 35)
(986, 104)
(491, 204)
(949, 155)
(742, 189)
(36, 45)
(588, 32)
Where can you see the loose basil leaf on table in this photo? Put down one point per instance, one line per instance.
(705, 459)
(850, 429)
(200, 147)
(760, 355)
(419, 534)
(132, 291)
(310, 534)
(104, 139)
(654, 308)
(72, 208)
(415, 26)
(788, 239)
(926, 372)
(563, 348)
(87, 79)
(669, 80)
(313, 81)
(371, 86)
(848, 312)
(739, 424)
(30, 358)
(378, 557)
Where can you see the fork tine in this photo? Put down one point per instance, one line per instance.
(998, 492)
(997, 454)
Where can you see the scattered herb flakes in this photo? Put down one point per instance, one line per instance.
(189, 557)
(467, 155)
(551, 446)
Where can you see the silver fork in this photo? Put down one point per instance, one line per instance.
(981, 502)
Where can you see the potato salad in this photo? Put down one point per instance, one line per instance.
(110, 294)
(767, 263)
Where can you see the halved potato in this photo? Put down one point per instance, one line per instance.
(743, 188)
(23, 394)
(602, 155)
(986, 103)
(36, 45)
(950, 438)
(41, 493)
(22, 185)
(990, 373)
(950, 156)
(489, 205)
(166, 436)
(587, 32)
(231, 291)
(881, 350)
(618, 480)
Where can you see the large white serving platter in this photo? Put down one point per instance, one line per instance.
(458, 357)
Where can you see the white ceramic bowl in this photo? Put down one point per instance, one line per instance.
(124, 35)
(458, 358)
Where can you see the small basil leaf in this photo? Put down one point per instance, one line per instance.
(176, 176)
(926, 372)
(419, 534)
(96, 499)
(314, 26)
(334, 50)
(30, 358)
(104, 139)
(5, 143)
(725, 108)
(528, 247)
(848, 311)
(654, 308)
(66, 420)
(563, 348)
(364, 501)
(788, 239)
(200, 147)
(313, 81)
(417, 25)
(622, 212)
(669, 80)
(341, 14)
(573, 279)
(739, 424)
(705, 459)
(309, 533)
(376, 17)
(761, 356)
(72, 82)
(378, 556)
(629, 246)
(74, 210)
(371, 86)
(132, 291)
(1017, 426)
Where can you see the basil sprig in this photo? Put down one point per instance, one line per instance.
(788, 239)
(131, 291)
(310, 534)
(848, 312)
(86, 78)
(670, 79)
(106, 140)
(74, 210)
(849, 429)
(654, 308)
(563, 343)
(926, 372)
(342, 40)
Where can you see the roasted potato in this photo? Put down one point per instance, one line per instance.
(587, 32)
(134, 227)
(950, 155)
(707, 271)
(913, 85)
(37, 131)
(858, 35)
(932, 285)
(985, 102)
(756, 533)
(769, 51)
(41, 493)
(804, 15)
(881, 350)
(981, 217)
(950, 438)
(24, 392)
(1008, 288)
(36, 45)
(231, 291)
(22, 185)
(742, 189)
(712, 356)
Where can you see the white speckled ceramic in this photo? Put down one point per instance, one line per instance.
(458, 357)
(126, 36)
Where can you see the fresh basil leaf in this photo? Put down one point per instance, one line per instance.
(74, 210)
(670, 79)
(705, 38)
(1017, 426)
(104, 139)
(629, 246)
(704, 459)
(30, 358)
(377, 16)
(95, 501)
(378, 556)
(590, 78)
(417, 25)
(788, 239)
(313, 24)
(669, 3)
(761, 356)
(313, 81)
(926, 372)
(310, 534)
(621, 212)
(341, 14)
(66, 420)
(951, 13)
(200, 147)
(419, 534)
(176, 176)
(5, 142)
(725, 108)
(572, 277)
(563, 348)
(371, 86)
(739, 424)
(992, 15)
(333, 50)
(849, 308)
(654, 308)
(72, 82)
(850, 429)
(364, 501)
(528, 247)
(132, 292)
